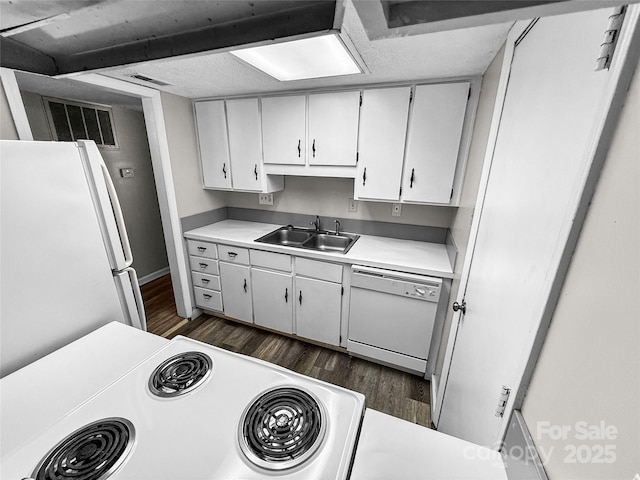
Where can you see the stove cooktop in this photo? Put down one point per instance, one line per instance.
(198, 412)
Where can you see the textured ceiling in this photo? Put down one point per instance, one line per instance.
(420, 57)
(407, 57)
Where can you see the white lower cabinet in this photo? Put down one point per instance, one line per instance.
(204, 275)
(318, 310)
(266, 289)
(235, 281)
(273, 299)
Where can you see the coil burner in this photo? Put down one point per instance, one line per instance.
(94, 452)
(282, 428)
(180, 374)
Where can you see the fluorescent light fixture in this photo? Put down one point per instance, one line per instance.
(314, 57)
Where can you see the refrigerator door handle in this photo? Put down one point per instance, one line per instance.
(117, 211)
(130, 297)
(138, 296)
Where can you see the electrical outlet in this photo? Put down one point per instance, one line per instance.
(353, 205)
(265, 198)
(396, 210)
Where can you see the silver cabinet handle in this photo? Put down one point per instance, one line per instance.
(204, 265)
(300, 297)
(286, 295)
(232, 254)
(205, 281)
(206, 296)
(245, 285)
(202, 249)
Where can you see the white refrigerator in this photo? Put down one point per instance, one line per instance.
(65, 262)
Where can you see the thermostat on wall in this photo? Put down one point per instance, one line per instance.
(126, 172)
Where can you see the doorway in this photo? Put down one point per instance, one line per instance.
(124, 148)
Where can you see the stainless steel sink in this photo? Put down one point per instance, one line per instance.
(329, 242)
(286, 236)
(310, 239)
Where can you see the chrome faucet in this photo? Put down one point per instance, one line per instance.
(337, 222)
(316, 223)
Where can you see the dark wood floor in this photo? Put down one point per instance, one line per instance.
(388, 390)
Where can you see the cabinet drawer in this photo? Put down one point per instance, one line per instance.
(234, 254)
(209, 299)
(204, 265)
(202, 249)
(274, 261)
(204, 280)
(321, 270)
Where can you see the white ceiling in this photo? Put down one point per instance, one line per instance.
(436, 55)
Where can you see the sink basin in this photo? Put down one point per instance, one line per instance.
(329, 242)
(286, 236)
(310, 239)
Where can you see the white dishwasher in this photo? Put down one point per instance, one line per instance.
(392, 315)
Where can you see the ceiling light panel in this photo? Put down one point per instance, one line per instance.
(314, 57)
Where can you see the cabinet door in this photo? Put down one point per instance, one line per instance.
(214, 144)
(273, 299)
(433, 142)
(383, 128)
(333, 128)
(245, 146)
(283, 129)
(236, 291)
(318, 308)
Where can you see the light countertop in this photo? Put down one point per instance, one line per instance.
(393, 448)
(411, 256)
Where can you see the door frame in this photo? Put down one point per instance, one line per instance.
(161, 163)
(621, 71)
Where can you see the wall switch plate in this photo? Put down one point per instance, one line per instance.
(265, 198)
(127, 173)
(396, 210)
(353, 205)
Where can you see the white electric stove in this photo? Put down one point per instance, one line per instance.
(124, 404)
(193, 411)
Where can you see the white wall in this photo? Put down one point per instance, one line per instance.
(137, 195)
(7, 126)
(330, 197)
(185, 161)
(589, 367)
(461, 222)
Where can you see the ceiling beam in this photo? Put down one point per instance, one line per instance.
(18, 56)
(311, 19)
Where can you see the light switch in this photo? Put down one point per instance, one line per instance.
(127, 173)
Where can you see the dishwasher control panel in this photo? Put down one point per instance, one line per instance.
(422, 292)
(419, 287)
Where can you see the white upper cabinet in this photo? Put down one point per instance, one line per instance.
(333, 128)
(433, 142)
(245, 146)
(284, 129)
(383, 128)
(214, 144)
